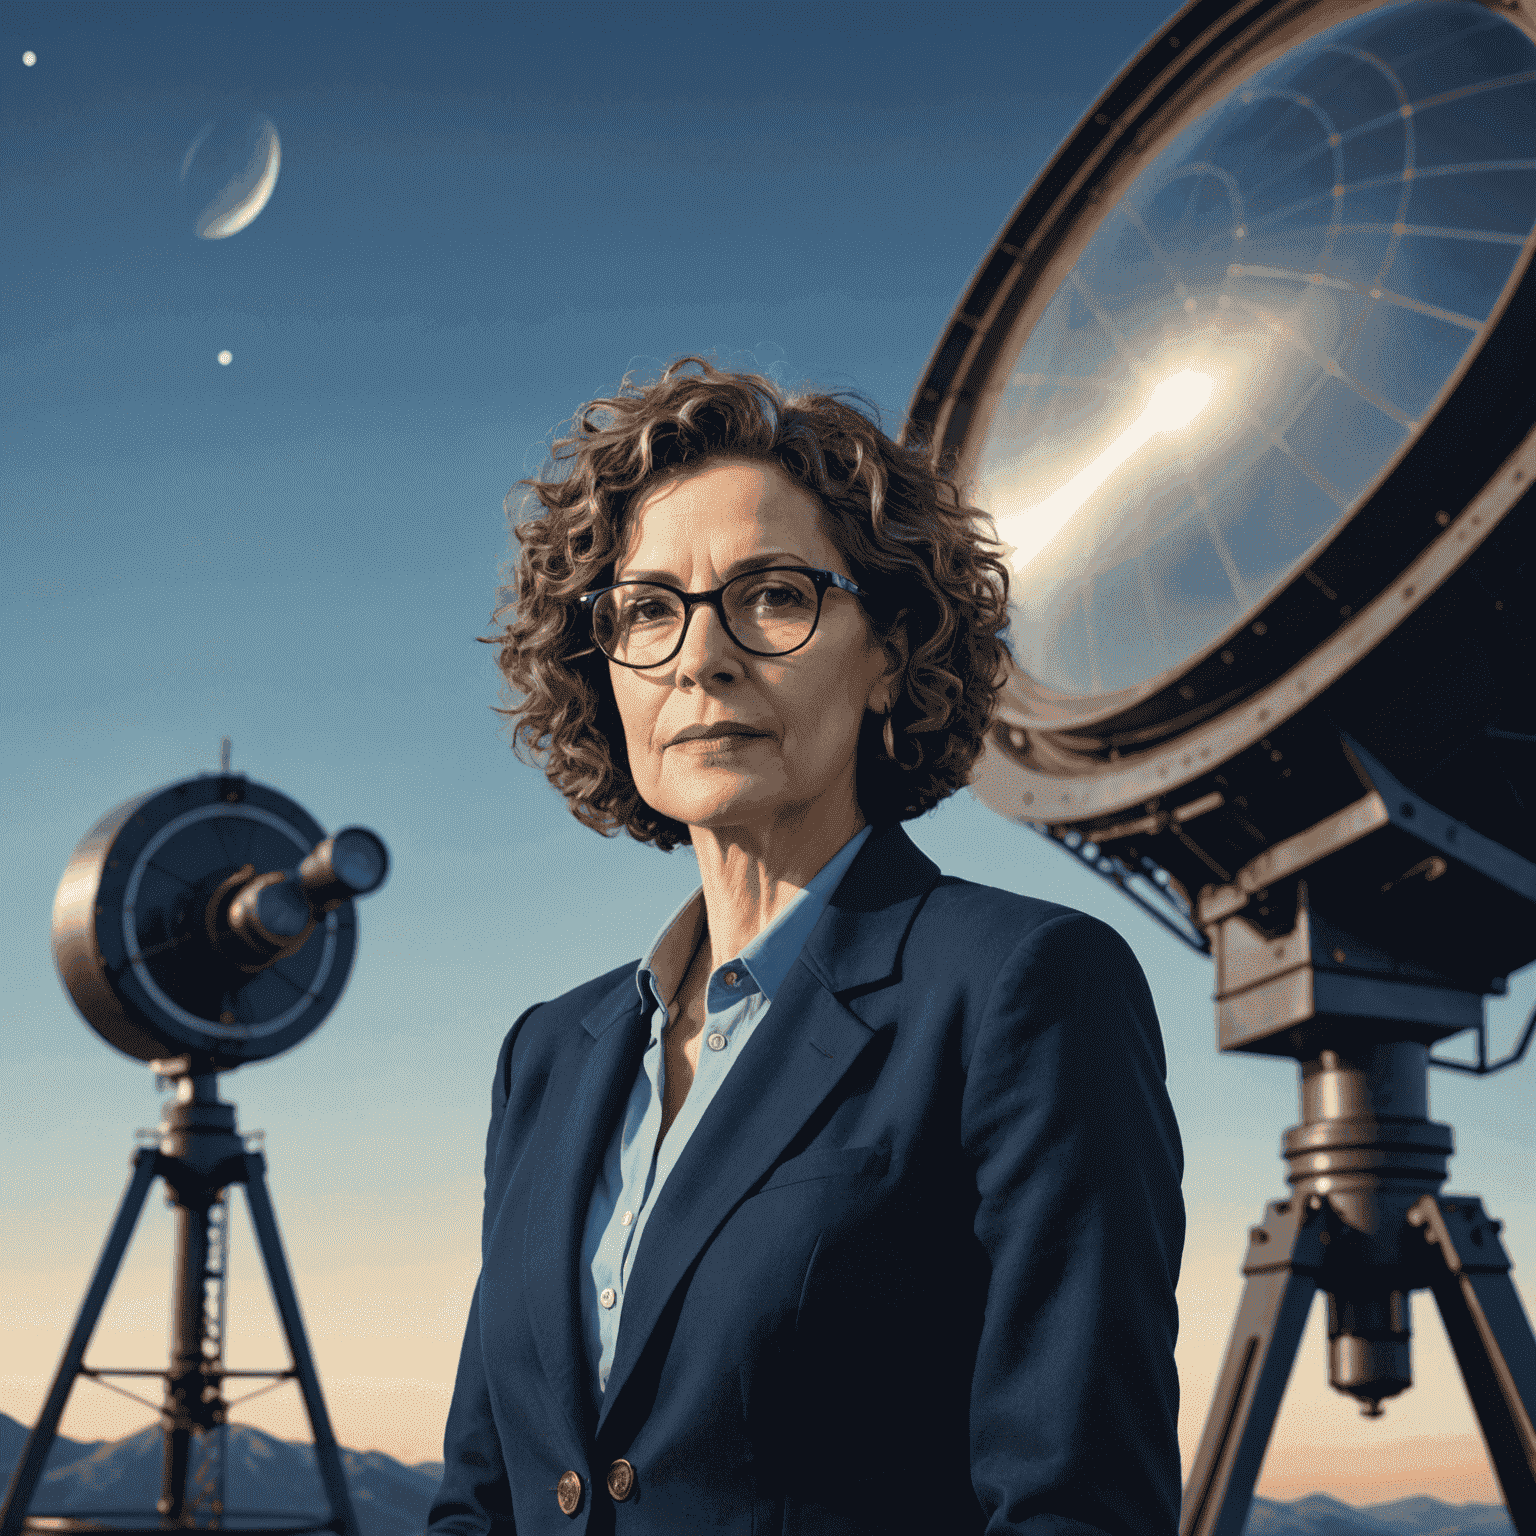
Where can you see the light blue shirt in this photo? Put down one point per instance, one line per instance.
(634, 1168)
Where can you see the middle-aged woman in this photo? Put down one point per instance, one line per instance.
(853, 1206)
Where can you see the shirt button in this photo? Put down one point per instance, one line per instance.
(731, 978)
(717, 1041)
(626, 1218)
(608, 1296)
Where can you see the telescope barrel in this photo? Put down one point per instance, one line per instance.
(272, 915)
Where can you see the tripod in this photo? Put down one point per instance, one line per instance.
(200, 1154)
(1367, 1225)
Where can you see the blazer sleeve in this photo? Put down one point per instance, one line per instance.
(475, 1496)
(1074, 1400)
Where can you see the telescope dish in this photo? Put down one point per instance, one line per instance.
(1325, 222)
(1322, 249)
(211, 918)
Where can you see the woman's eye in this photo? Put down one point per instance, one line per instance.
(774, 596)
(647, 610)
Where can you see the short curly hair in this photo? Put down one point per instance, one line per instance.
(900, 524)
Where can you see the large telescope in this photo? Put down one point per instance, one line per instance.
(1247, 383)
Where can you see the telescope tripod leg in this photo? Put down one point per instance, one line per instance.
(1469, 1274)
(1283, 1262)
(327, 1455)
(34, 1454)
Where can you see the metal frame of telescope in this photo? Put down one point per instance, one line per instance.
(1323, 799)
(202, 1154)
(200, 927)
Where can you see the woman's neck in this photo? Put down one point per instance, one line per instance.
(750, 874)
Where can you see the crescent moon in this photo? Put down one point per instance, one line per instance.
(239, 203)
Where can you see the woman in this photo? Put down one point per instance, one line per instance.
(854, 1206)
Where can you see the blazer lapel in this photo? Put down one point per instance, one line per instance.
(807, 1042)
(557, 1206)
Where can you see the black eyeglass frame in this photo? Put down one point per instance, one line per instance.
(716, 599)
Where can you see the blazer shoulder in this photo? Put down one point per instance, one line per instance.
(545, 1028)
(589, 994)
(957, 903)
(969, 922)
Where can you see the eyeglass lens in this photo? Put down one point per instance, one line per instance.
(766, 611)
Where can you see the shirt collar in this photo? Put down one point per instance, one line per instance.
(767, 957)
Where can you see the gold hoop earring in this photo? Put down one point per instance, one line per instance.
(889, 736)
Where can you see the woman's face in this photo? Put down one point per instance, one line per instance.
(695, 533)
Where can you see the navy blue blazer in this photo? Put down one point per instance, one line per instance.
(913, 1272)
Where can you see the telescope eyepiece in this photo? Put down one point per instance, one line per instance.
(351, 863)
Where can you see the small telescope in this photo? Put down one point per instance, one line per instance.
(198, 928)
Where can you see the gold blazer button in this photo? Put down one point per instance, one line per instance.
(568, 1493)
(621, 1480)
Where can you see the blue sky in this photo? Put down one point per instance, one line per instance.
(486, 214)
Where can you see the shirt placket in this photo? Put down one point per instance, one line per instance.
(729, 993)
(637, 1171)
(641, 1171)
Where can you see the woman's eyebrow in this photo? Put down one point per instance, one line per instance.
(735, 568)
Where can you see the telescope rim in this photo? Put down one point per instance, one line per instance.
(1195, 61)
(1025, 792)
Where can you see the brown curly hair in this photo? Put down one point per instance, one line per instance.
(902, 527)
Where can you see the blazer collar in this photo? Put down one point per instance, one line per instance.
(857, 940)
(857, 943)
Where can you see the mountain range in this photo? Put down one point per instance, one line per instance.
(266, 1476)
(121, 1479)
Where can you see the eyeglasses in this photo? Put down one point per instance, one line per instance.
(769, 612)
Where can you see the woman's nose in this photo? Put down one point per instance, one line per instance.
(707, 651)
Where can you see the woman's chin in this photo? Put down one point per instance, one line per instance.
(724, 799)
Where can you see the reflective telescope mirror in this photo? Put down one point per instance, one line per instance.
(1263, 321)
